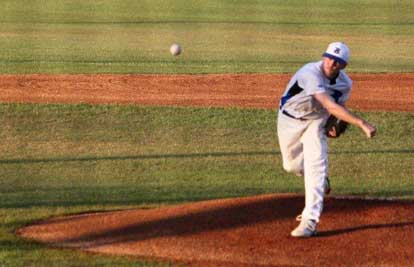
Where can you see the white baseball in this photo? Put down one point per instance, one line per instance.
(175, 49)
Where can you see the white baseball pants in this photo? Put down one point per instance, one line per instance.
(304, 149)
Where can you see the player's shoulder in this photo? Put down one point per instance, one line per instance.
(310, 78)
(312, 69)
(310, 73)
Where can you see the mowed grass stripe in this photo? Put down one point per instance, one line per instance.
(232, 22)
(327, 10)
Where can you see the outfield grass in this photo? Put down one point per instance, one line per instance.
(110, 36)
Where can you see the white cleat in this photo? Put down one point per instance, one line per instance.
(306, 228)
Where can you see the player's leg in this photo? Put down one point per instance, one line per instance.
(316, 169)
(289, 134)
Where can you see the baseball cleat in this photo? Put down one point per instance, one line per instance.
(306, 228)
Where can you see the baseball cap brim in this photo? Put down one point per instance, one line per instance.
(338, 59)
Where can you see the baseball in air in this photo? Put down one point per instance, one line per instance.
(175, 49)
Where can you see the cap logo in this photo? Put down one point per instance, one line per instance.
(337, 50)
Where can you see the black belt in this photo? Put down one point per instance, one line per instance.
(291, 116)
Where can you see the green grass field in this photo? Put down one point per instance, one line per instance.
(129, 36)
(64, 159)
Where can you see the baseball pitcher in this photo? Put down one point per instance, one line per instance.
(316, 92)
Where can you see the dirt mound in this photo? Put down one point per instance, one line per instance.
(371, 91)
(251, 231)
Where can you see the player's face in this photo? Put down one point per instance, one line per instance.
(331, 67)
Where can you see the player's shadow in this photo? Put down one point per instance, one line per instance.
(206, 218)
(361, 228)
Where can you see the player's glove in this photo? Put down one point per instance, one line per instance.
(335, 127)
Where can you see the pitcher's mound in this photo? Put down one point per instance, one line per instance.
(252, 231)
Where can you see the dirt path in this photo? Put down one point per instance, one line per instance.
(371, 91)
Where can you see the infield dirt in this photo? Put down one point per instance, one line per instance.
(252, 231)
(387, 92)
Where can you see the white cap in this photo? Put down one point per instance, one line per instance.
(338, 51)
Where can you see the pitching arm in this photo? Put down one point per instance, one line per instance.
(344, 114)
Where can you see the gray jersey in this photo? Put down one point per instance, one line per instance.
(298, 100)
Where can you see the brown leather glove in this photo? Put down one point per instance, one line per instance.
(335, 127)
